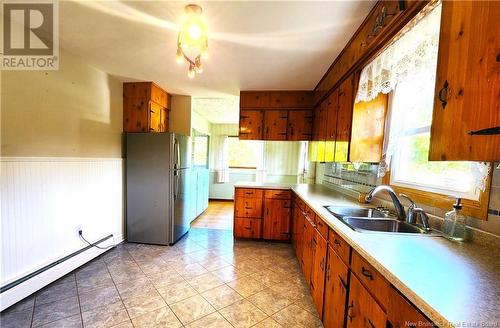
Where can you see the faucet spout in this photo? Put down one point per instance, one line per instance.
(400, 211)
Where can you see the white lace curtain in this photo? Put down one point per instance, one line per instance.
(409, 60)
(412, 51)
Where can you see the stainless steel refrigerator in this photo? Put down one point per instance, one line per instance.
(157, 187)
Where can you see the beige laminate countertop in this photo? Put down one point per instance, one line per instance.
(453, 284)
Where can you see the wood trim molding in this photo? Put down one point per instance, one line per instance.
(474, 208)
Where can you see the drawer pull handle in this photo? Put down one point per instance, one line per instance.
(443, 94)
(367, 273)
(336, 242)
(350, 310)
(249, 193)
(248, 228)
(248, 208)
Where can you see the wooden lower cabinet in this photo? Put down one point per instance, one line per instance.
(248, 207)
(402, 314)
(362, 309)
(277, 219)
(298, 231)
(318, 271)
(336, 291)
(248, 228)
(307, 249)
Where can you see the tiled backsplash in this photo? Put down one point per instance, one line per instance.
(364, 177)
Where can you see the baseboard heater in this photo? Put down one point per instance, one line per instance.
(23, 287)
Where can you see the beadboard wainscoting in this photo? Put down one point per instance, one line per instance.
(44, 201)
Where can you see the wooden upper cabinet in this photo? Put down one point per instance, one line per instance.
(255, 99)
(275, 124)
(318, 272)
(346, 103)
(277, 219)
(336, 286)
(145, 107)
(272, 109)
(362, 310)
(467, 89)
(367, 135)
(332, 109)
(251, 125)
(299, 125)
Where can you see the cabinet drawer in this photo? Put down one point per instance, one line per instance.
(300, 202)
(371, 278)
(340, 246)
(248, 207)
(278, 194)
(309, 213)
(247, 228)
(321, 227)
(249, 193)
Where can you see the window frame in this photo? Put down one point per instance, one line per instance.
(475, 208)
(240, 167)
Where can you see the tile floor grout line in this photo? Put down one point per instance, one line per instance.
(161, 296)
(116, 288)
(79, 303)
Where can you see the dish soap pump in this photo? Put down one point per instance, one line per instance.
(454, 223)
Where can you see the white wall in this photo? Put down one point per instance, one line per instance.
(61, 164)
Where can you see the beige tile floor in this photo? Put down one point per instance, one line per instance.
(218, 215)
(206, 280)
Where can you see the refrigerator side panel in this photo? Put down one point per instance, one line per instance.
(149, 181)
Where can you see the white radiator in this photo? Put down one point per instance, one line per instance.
(45, 200)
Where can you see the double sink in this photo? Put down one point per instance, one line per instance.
(375, 220)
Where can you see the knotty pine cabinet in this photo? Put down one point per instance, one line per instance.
(336, 291)
(145, 107)
(346, 290)
(251, 125)
(275, 125)
(260, 213)
(275, 115)
(467, 89)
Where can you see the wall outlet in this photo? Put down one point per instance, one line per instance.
(78, 228)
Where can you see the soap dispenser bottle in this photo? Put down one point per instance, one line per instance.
(454, 223)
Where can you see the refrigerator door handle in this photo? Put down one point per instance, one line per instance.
(177, 154)
(176, 184)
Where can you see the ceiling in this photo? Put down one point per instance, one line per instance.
(253, 44)
(218, 110)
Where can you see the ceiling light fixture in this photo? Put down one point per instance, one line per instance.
(192, 40)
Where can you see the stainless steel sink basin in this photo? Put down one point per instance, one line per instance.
(382, 225)
(373, 220)
(364, 212)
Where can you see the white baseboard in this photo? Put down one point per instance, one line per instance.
(30, 286)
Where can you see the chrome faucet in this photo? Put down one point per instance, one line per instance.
(415, 213)
(400, 211)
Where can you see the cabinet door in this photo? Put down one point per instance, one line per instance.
(299, 234)
(332, 105)
(251, 125)
(467, 83)
(336, 286)
(247, 228)
(164, 119)
(368, 123)
(307, 249)
(248, 207)
(275, 123)
(154, 117)
(346, 103)
(318, 272)
(402, 313)
(277, 219)
(362, 310)
(299, 125)
(135, 115)
(254, 99)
